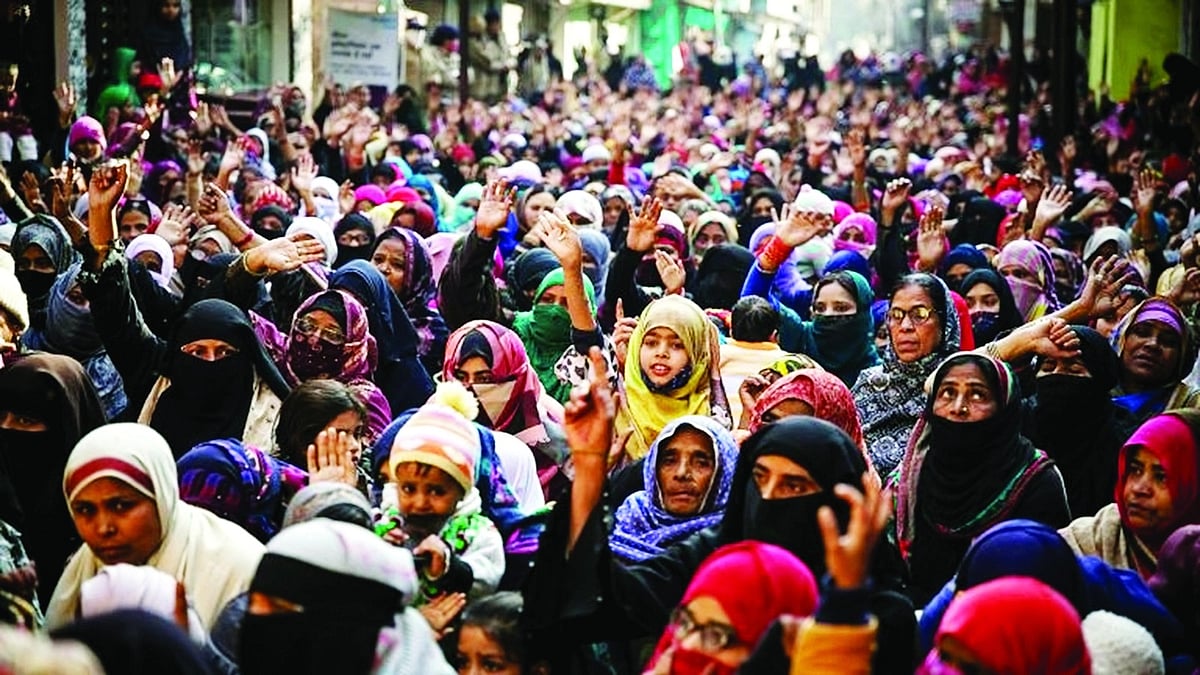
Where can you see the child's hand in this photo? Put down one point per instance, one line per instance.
(441, 611)
(439, 556)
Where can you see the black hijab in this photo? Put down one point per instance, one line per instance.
(830, 457)
(354, 221)
(721, 275)
(164, 39)
(56, 390)
(1009, 318)
(136, 642)
(747, 223)
(526, 274)
(979, 224)
(211, 399)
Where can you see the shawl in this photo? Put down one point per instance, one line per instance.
(827, 395)
(890, 397)
(1034, 298)
(359, 354)
(1104, 536)
(528, 406)
(645, 412)
(643, 527)
(844, 347)
(419, 296)
(158, 246)
(212, 557)
(963, 490)
(546, 331)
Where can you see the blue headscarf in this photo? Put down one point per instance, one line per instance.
(963, 254)
(848, 260)
(643, 527)
(421, 181)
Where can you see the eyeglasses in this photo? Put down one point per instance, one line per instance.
(919, 315)
(713, 636)
(309, 328)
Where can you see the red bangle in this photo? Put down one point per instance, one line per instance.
(244, 240)
(774, 254)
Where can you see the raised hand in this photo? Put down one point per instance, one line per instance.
(856, 145)
(588, 415)
(183, 216)
(848, 554)
(202, 121)
(195, 158)
(31, 192)
(283, 255)
(671, 272)
(796, 228)
(346, 197)
(166, 71)
(1032, 186)
(64, 96)
(1186, 290)
(561, 238)
(303, 174)
(213, 204)
(643, 226)
(494, 206)
(235, 154)
(622, 332)
(1145, 192)
(441, 611)
(106, 187)
(1052, 205)
(748, 392)
(894, 196)
(330, 459)
(931, 240)
(1102, 290)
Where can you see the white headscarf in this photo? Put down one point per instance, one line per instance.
(127, 586)
(158, 246)
(321, 231)
(213, 558)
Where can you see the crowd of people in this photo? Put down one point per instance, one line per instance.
(762, 372)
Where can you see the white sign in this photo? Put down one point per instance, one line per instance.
(363, 47)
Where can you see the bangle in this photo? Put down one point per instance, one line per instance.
(249, 271)
(774, 254)
(244, 240)
(992, 350)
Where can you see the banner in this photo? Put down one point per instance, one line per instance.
(363, 47)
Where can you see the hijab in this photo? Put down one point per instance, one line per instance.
(961, 477)
(861, 222)
(125, 586)
(844, 345)
(596, 246)
(980, 222)
(211, 399)
(988, 325)
(345, 253)
(516, 403)
(1034, 298)
(419, 296)
(646, 411)
(319, 231)
(1067, 287)
(546, 331)
(643, 528)
(824, 392)
(213, 558)
(720, 277)
(1176, 582)
(1015, 625)
(399, 374)
(526, 275)
(47, 234)
(159, 246)
(1143, 404)
(1171, 438)
(348, 363)
(137, 642)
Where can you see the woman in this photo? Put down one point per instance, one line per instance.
(807, 392)
(1157, 351)
(991, 305)
(855, 233)
(1029, 270)
(41, 250)
(547, 328)
(123, 492)
(154, 253)
(711, 229)
(47, 403)
(713, 630)
(922, 331)
(718, 280)
(840, 334)
(313, 407)
(969, 468)
(958, 263)
(401, 257)
(400, 373)
(687, 475)
(377, 631)
(1175, 580)
(597, 252)
(355, 239)
(1009, 626)
(671, 371)
(1157, 493)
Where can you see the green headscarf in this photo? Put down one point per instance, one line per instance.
(121, 90)
(844, 345)
(546, 332)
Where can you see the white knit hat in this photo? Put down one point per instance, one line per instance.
(813, 201)
(596, 152)
(1120, 646)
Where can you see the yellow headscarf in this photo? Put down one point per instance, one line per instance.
(646, 412)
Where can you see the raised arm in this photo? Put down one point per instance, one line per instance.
(214, 208)
(563, 241)
(588, 425)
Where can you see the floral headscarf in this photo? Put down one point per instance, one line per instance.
(358, 356)
(419, 296)
(824, 392)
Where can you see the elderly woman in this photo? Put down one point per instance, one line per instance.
(122, 490)
(890, 397)
(687, 476)
(969, 468)
(1157, 351)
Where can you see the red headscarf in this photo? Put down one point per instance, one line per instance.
(966, 332)
(1017, 625)
(1170, 439)
(824, 392)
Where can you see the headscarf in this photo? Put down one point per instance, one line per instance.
(422, 182)
(844, 345)
(351, 362)
(583, 204)
(213, 558)
(891, 397)
(56, 390)
(1034, 298)
(1176, 582)
(829, 456)
(1104, 235)
(790, 364)
(771, 582)
(647, 412)
(861, 222)
(824, 392)
(160, 247)
(1149, 402)
(963, 254)
(464, 214)
(314, 501)
(1067, 287)
(125, 586)
(136, 642)
(320, 231)
(210, 399)
(849, 261)
(240, 483)
(47, 234)
(964, 476)
(546, 332)
(988, 325)
(722, 272)
(441, 247)
(979, 224)
(374, 582)
(353, 221)
(400, 375)
(419, 296)
(596, 245)
(262, 208)
(1171, 438)
(1015, 625)
(214, 233)
(517, 403)
(1024, 548)
(643, 528)
(526, 274)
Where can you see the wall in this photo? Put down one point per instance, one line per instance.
(1126, 31)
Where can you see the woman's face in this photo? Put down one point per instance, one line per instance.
(479, 654)
(763, 207)
(34, 258)
(542, 201)
(685, 469)
(391, 259)
(913, 337)
(982, 298)
(474, 370)
(132, 224)
(853, 234)
(554, 295)
(209, 349)
(662, 356)
(1148, 504)
(789, 407)
(778, 477)
(709, 236)
(354, 238)
(1073, 366)
(87, 150)
(1018, 272)
(150, 260)
(1151, 355)
(169, 10)
(964, 395)
(702, 626)
(956, 273)
(833, 300)
(118, 523)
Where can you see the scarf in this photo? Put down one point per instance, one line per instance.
(159, 247)
(546, 332)
(718, 283)
(844, 345)
(1034, 298)
(347, 253)
(1008, 318)
(825, 393)
(45, 233)
(643, 527)
(351, 362)
(212, 557)
(855, 221)
(526, 274)
(419, 296)
(596, 246)
(1171, 438)
(646, 412)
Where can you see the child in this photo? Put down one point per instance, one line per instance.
(490, 639)
(433, 461)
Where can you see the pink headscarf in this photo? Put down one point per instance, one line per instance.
(863, 223)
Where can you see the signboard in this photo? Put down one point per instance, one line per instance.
(363, 47)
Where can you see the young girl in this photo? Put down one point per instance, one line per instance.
(490, 639)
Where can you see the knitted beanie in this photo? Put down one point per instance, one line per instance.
(440, 435)
(1119, 645)
(86, 129)
(813, 201)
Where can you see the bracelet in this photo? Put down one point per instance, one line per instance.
(774, 254)
(244, 240)
(992, 350)
(249, 271)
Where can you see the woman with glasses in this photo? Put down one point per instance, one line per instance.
(891, 397)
